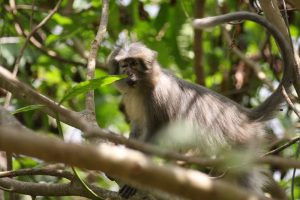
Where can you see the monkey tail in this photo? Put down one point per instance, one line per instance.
(267, 109)
(271, 105)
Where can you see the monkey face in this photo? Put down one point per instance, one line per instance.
(133, 68)
(136, 61)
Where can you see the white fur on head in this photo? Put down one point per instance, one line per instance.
(136, 50)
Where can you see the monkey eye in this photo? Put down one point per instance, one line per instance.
(124, 65)
(133, 62)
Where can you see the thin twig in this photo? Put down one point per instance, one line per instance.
(32, 13)
(48, 52)
(258, 72)
(9, 158)
(289, 101)
(281, 148)
(90, 103)
(53, 189)
(9, 166)
(18, 59)
(294, 173)
(30, 171)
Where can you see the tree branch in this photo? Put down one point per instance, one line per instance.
(198, 46)
(42, 23)
(24, 92)
(74, 119)
(90, 103)
(45, 189)
(137, 169)
(258, 72)
(272, 13)
(279, 149)
(51, 53)
(34, 171)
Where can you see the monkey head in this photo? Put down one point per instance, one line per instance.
(136, 61)
(134, 68)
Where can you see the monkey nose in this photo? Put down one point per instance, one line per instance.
(127, 71)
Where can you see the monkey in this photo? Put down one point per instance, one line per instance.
(154, 98)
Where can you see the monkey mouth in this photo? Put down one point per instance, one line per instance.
(131, 79)
(131, 83)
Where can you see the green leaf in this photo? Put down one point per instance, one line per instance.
(86, 86)
(51, 38)
(62, 20)
(85, 186)
(28, 108)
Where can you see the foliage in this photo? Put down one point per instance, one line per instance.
(86, 86)
(163, 25)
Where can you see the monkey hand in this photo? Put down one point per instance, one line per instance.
(127, 191)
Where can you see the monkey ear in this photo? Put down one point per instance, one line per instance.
(148, 58)
(151, 58)
(154, 55)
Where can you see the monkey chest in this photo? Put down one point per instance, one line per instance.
(135, 108)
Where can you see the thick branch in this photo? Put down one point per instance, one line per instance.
(23, 92)
(74, 119)
(136, 168)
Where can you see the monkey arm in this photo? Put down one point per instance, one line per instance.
(135, 132)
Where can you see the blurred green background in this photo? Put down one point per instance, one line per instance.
(57, 59)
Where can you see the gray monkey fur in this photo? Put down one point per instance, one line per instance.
(154, 99)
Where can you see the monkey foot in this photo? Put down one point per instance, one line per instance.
(127, 191)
